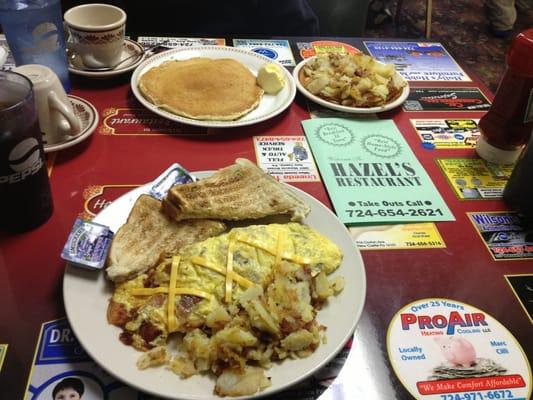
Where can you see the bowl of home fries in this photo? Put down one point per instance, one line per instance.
(353, 83)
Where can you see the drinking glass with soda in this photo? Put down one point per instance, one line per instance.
(25, 196)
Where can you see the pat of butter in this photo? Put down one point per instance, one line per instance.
(270, 78)
(174, 175)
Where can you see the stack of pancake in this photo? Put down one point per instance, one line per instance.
(202, 88)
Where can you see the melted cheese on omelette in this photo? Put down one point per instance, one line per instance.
(251, 255)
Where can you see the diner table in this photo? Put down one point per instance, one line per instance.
(131, 146)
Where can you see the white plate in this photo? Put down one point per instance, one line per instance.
(270, 105)
(129, 48)
(88, 117)
(86, 295)
(353, 110)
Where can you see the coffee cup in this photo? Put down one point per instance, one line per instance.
(57, 119)
(96, 33)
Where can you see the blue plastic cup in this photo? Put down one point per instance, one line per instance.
(34, 33)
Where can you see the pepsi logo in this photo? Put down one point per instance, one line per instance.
(24, 155)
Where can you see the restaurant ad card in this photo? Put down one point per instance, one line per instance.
(522, 287)
(60, 362)
(311, 49)
(443, 349)
(447, 133)
(504, 234)
(418, 61)
(278, 50)
(173, 42)
(286, 158)
(446, 99)
(474, 178)
(371, 174)
(424, 235)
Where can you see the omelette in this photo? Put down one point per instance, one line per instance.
(238, 301)
(202, 88)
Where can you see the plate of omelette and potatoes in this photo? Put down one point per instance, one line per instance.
(266, 300)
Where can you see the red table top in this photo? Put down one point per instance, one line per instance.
(31, 269)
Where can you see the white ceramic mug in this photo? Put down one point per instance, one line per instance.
(57, 119)
(96, 33)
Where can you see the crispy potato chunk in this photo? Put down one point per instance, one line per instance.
(241, 383)
(152, 358)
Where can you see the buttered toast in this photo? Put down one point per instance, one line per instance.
(240, 191)
(149, 233)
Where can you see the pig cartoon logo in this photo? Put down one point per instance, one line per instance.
(458, 351)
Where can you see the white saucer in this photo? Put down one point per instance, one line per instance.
(129, 48)
(88, 117)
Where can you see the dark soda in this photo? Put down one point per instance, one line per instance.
(25, 196)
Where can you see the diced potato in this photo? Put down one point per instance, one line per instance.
(241, 383)
(198, 347)
(329, 91)
(298, 340)
(381, 91)
(322, 287)
(379, 80)
(349, 69)
(316, 85)
(217, 318)
(385, 70)
(253, 293)
(182, 366)
(364, 85)
(235, 336)
(337, 284)
(152, 358)
(262, 319)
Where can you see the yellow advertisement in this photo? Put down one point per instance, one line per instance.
(403, 236)
(473, 178)
(447, 133)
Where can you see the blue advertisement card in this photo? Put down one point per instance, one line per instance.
(418, 61)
